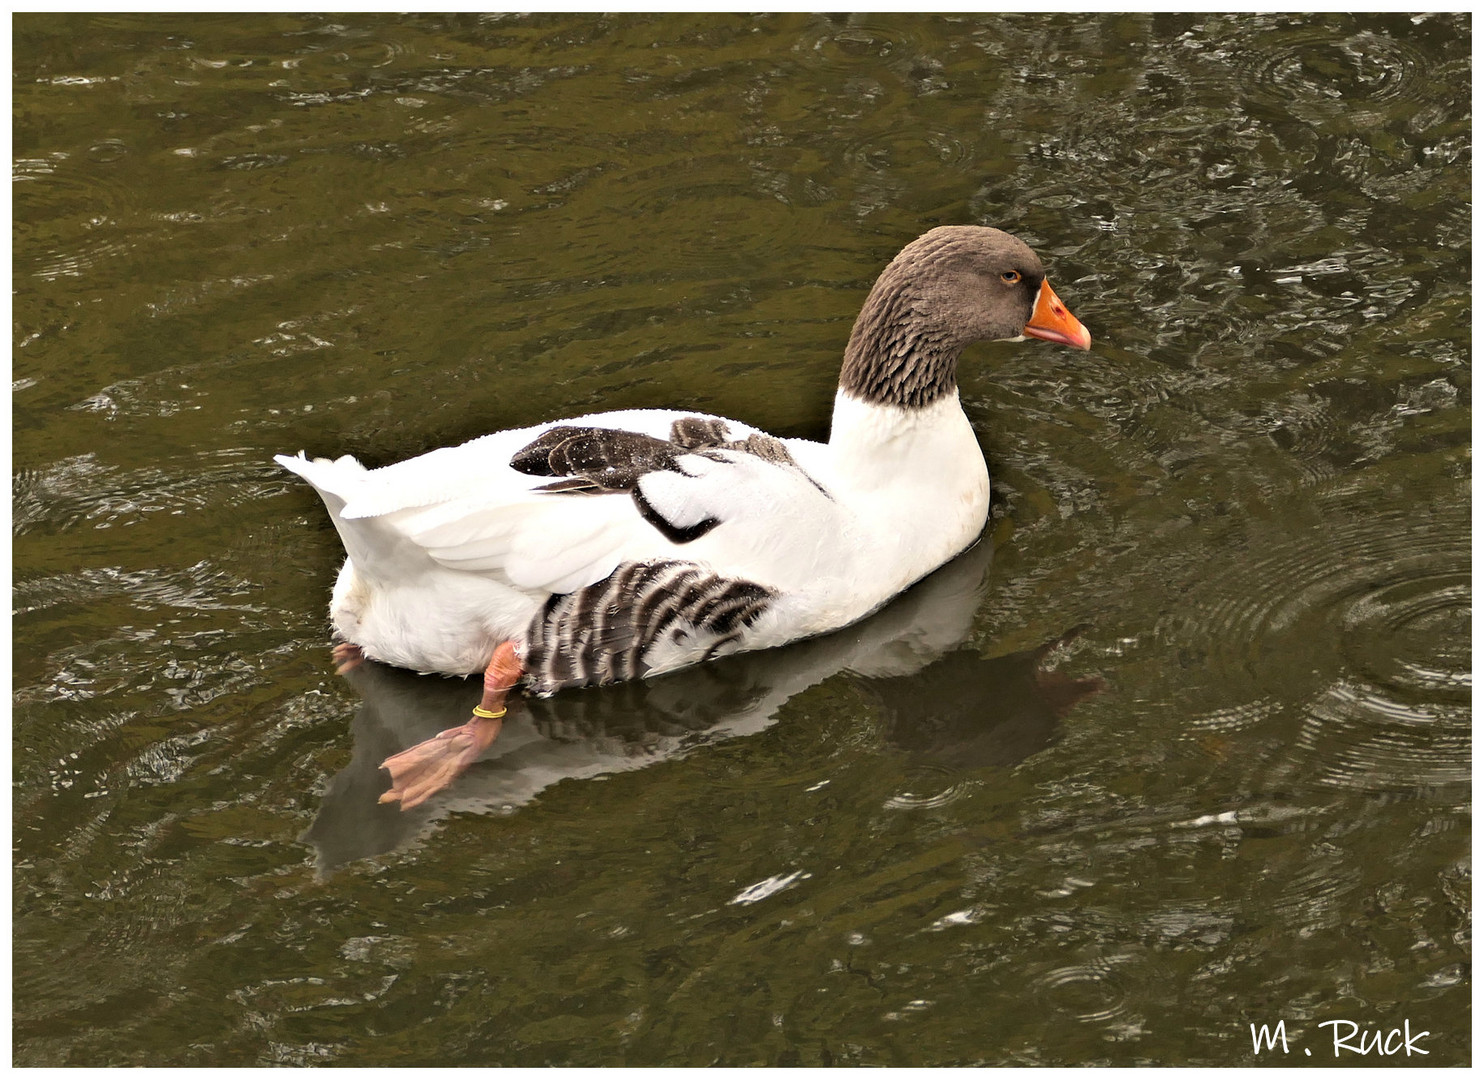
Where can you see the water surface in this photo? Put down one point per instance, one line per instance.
(1182, 746)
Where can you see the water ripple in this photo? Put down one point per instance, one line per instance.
(65, 494)
(69, 208)
(1311, 70)
(1092, 993)
(1376, 609)
(932, 787)
(1392, 636)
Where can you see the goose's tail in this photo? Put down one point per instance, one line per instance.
(368, 541)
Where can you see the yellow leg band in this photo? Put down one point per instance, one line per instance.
(485, 714)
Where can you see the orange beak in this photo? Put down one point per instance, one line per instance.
(1052, 321)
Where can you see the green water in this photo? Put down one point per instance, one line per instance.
(1239, 793)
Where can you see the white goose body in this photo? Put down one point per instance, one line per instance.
(626, 544)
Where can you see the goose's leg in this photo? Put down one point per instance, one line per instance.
(347, 655)
(431, 766)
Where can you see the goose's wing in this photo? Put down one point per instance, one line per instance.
(555, 508)
(593, 499)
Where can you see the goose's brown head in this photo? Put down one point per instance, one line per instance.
(948, 288)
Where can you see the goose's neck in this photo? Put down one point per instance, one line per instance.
(896, 357)
(876, 438)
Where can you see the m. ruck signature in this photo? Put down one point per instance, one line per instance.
(1344, 1035)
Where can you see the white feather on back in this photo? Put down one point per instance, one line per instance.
(469, 511)
(480, 468)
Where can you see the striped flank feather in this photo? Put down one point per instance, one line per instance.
(644, 618)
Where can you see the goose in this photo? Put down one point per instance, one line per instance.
(628, 544)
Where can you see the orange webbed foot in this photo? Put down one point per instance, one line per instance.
(424, 770)
(429, 767)
(347, 655)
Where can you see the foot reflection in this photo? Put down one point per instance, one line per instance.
(937, 701)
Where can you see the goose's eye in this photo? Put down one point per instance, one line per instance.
(1010, 277)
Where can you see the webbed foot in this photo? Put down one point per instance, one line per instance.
(422, 771)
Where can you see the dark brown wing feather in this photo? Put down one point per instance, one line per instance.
(604, 461)
(609, 459)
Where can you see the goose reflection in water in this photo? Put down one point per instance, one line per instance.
(938, 702)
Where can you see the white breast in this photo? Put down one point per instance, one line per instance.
(912, 491)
